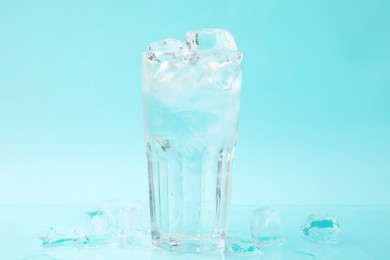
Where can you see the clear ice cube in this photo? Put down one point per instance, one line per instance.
(167, 45)
(321, 228)
(210, 39)
(241, 247)
(128, 214)
(266, 227)
(59, 236)
(111, 221)
(165, 50)
(224, 70)
(102, 228)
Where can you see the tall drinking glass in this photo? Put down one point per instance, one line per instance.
(191, 102)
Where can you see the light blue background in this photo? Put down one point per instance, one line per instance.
(315, 114)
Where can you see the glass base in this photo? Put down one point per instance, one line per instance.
(209, 245)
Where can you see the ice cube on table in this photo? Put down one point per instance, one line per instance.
(123, 222)
(210, 39)
(241, 247)
(111, 221)
(127, 214)
(266, 227)
(59, 236)
(102, 228)
(321, 228)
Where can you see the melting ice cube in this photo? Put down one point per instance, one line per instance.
(210, 39)
(102, 227)
(59, 236)
(321, 228)
(128, 214)
(122, 222)
(113, 220)
(266, 227)
(241, 247)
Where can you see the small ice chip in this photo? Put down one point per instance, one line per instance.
(210, 39)
(167, 45)
(59, 236)
(266, 227)
(321, 228)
